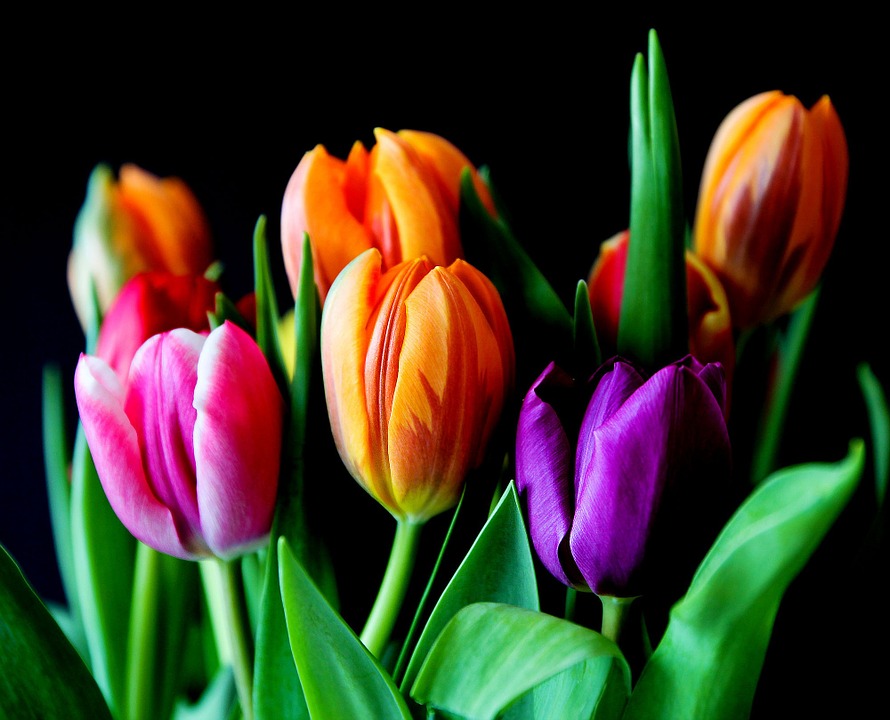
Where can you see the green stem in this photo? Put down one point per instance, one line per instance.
(142, 636)
(571, 599)
(614, 614)
(240, 636)
(393, 587)
(775, 410)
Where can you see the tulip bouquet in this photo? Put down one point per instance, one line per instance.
(611, 535)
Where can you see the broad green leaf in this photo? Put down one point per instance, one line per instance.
(587, 348)
(498, 568)
(216, 703)
(56, 455)
(653, 327)
(277, 693)
(491, 654)
(41, 674)
(542, 327)
(879, 419)
(709, 660)
(104, 552)
(267, 306)
(340, 678)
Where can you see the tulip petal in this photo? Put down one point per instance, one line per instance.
(237, 436)
(625, 464)
(159, 404)
(115, 450)
(545, 467)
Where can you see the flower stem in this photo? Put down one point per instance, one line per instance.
(571, 598)
(393, 587)
(614, 614)
(142, 637)
(235, 615)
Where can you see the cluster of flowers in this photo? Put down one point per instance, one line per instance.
(186, 417)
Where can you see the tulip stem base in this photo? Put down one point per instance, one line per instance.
(142, 642)
(614, 613)
(240, 636)
(393, 587)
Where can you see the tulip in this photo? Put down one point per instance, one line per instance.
(772, 193)
(188, 453)
(417, 361)
(150, 303)
(601, 465)
(710, 326)
(402, 198)
(141, 222)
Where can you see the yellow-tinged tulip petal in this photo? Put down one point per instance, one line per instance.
(417, 362)
(772, 193)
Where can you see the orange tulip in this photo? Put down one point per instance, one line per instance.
(141, 222)
(402, 198)
(710, 326)
(771, 197)
(417, 361)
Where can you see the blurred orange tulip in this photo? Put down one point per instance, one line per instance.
(402, 198)
(770, 203)
(417, 361)
(141, 222)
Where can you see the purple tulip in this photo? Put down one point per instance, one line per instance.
(600, 463)
(188, 452)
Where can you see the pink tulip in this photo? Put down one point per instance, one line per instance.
(188, 452)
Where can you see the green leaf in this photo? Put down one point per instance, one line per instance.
(340, 678)
(41, 674)
(541, 325)
(56, 455)
(879, 419)
(498, 568)
(224, 310)
(277, 693)
(267, 306)
(653, 327)
(709, 660)
(104, 553)
(217, 702)
(587, 348)
(490, 654)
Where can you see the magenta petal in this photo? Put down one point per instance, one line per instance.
(160, 406)
(671, 428)
(115, 450)
(237, 441)
(545, 468)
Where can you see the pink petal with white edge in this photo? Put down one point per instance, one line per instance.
(237, 442)
(115, 450)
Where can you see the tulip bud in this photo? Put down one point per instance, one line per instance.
(402, 198)
(417, 362)
(710, 326)
(139, 223)
(188, 453)
(770, 203)
(601, 465)
(150, 303)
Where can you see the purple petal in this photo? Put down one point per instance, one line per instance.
(544, 467)
(237, 441)
(115, 450)
(159, 404)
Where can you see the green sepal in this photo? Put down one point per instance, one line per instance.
(709, 660)
(267, 307)
(653, 326)
(541, 325)
(104, 552)
(277, 691)
(498, 568)
(339, 677)
(587, 348)
(879, 420)
(42, 676)
(491, 654)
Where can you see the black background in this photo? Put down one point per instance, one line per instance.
(230, 104)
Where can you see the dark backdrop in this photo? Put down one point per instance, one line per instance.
(543, 101)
